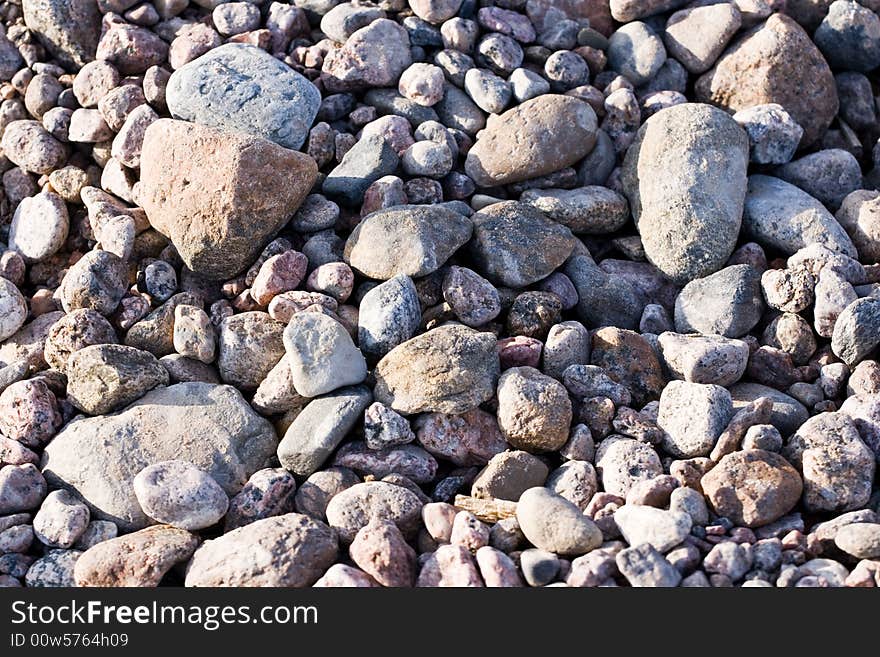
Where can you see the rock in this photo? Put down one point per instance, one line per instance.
(534, 411)
(249, 346)
(22, 488)
(321, 354)
(775, 62)
(828, 175)
(240, 87)
(704, 358)
(629, 10)
(729, 559)
(29, 413)
(39, 227)
(849, 36)
(787, 413)
(696, 36)
(473, 299)
(516, 245)
(592, 210)
(450, 566)
(381, 551)
(575, 481)
(837, 467)
(542, 147)
(55, 569)
(215, 195)
(408, 461)
(687, 230)
(208, 425)
(861, 540)
(552, 523)
(290, 550)
(317, 491)
(621, 462)
(752, 487)
(471, 438)
(319, 429)
(385, 428)
(356, 506)
(663, 530)
(603, 299)
(13, 309)
(27, 343)
(68, 29)
(130, 48)
(693, 415)
(636, 52)
(630, 361)
(155, 332)
(508, 475)
(644, 566)
(27, 144)
(389, 315)
(857, 330)
(780, 215)
(105, 377)
(371, 158)
(727, 303)
(342, 576)
(61, 520)
(361, 63)
(177, 493)
(267, 493)
(425, 236)
(139, 559)
(773, 135)
(859, 214)
(451, 369)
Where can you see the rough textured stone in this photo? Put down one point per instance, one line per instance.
(356, 506)
(451, 369)
(292, 550)
(68, 29)
(322, 356)
(219, 196)
(240, 87)
(685, 176)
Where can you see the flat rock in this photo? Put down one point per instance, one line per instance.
(321, 355)
(727, 303)
(210, 426)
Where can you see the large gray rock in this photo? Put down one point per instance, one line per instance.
(211, 426)
(320, 428)
(782, 216)
(321, 354)
(685, 176)
(241, 87)
(292, 550)
(68, 29)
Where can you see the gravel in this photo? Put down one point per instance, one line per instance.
(439, 293)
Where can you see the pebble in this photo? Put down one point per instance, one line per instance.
(621, 462)
(775, 63)
(827, 175)
(292, 550)
(542, 148)
(552, 523)
(422, 84)
(249, 345)
(27, 144)
(179, 494)
(857, 330)
(29, 413)
(13, 309)
(320, 427)
(696, 36)
(55, 569)
(693, 415)
(508, 475)
(381, 551)
(727, 303)
(105, 377)
(99, 457)
(221, 166)
(61, 520)
(354, 508)
(753, 488)
(534, 412)
(661, 529)
(268, 493)
(466, 439)
(451, 369)
(773, 134)
(141, 558)
(643, 566)
(848, 36)
(861, 540)
(322, 355)
(358, 64)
